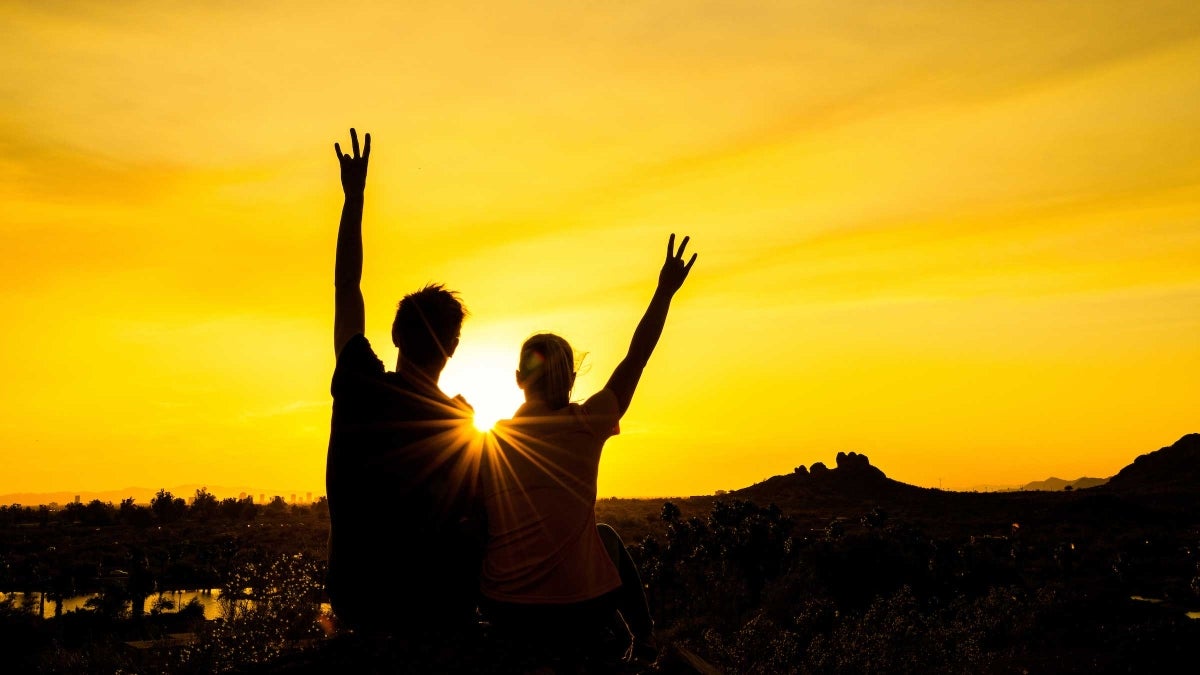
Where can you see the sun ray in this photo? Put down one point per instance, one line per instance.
(525, 445)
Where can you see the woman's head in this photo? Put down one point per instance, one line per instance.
(547, 370)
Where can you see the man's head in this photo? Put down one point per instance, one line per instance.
(427, 326)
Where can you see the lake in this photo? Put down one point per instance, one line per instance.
(209, 599)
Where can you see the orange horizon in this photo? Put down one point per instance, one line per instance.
(302, 498)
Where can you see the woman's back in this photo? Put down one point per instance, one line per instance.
(539, 481)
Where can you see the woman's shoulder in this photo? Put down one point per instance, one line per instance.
(599, 413)
(602, 402)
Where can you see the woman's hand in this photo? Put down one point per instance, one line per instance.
(354, 169)
(674, 271)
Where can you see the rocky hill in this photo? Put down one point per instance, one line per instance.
(1175, 468)
(1170, 477)
(853, 480)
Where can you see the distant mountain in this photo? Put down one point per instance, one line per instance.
(143, 495)
(1175, 468)
(1052, 484)
(1056, 484)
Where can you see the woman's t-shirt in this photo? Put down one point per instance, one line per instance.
(539, 486)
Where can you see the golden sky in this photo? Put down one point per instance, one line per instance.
(960, 237)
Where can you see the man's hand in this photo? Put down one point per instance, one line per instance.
(674, 271)
(354, 168)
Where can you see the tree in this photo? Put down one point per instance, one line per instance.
(133, 515)
(320, 507)
(73, 512)
(204, 504)
(167, 507)
(98, 513)
(670, 512)
(112, 603)
(277, 507)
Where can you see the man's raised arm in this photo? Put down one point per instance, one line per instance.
(349, 315)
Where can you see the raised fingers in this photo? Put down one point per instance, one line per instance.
(691, 262)
(367, 147)
(354, 141)
(671, 246)
(338, 149)
(682, 246)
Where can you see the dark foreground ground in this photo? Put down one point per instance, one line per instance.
(845, 571)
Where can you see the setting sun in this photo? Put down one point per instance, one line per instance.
(485, 377)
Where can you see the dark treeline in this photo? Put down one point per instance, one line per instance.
(167, 545)
(752, 588)
(164, 508)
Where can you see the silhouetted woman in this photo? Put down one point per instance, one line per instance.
(551, 578)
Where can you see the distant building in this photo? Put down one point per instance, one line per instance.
(241, 496)
(307, 497)
(77, 500)
(293, 498)
(262, 498)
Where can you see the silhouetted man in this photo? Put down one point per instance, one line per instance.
(403, 457)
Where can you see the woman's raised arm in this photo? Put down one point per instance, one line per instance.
(625, 378)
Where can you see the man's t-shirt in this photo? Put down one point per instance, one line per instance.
(539, 488)
(402, 474)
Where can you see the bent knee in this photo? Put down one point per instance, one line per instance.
(611, 540)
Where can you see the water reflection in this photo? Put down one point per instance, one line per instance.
(1138, 598)
(207, 599)
(210, 600)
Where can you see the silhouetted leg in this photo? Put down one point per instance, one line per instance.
(565, 634)
(631, 601)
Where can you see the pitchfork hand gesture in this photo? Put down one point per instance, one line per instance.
(354, 168)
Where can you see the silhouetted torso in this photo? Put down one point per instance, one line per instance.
(540, 495)
(401, 475)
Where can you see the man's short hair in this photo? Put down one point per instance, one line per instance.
(428, 323)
